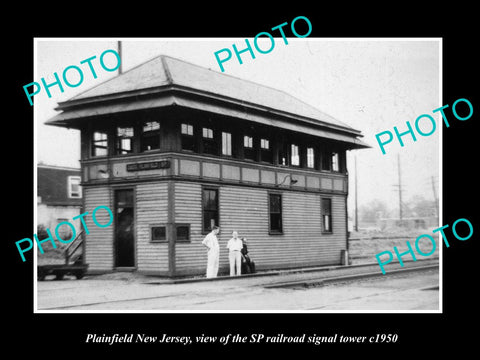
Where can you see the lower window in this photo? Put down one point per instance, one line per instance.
(275, 210)
(326, 215)
(159, 233)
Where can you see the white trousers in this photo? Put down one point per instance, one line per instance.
(212, 263)
(235, 258)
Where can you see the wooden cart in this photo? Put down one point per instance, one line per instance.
(77, 269)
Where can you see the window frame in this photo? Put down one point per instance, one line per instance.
(270, 231)
(312, 158)
(326, 159)
(227, 140)
(322, 216)
(298, 154)
(283, 149)
(264, 151)
(151, 233)
(118, 150)
(210, 188)
(94, 143)
(70, 183)
(149, 134)
(209, 142)
(247, 149)
(165, 241)
(335, 155)
(189, 239)
(186, 137)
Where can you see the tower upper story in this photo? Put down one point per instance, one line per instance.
(168, 117)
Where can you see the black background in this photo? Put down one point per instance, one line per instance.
(63, 335)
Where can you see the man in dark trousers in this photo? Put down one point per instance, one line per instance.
(248, 266)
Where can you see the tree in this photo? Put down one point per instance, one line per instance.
(373, 210)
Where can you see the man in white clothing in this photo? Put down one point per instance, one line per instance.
(235, 245)
(211, 243)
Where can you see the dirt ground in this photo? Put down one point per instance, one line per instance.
(129, 292)
(365, 244)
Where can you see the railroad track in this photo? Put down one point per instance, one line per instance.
(325, 280)
(231, 287)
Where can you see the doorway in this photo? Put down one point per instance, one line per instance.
(124, 228)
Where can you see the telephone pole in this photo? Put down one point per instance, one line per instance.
(119, 45)
(399, 185)
(435, 198)
(400, 189)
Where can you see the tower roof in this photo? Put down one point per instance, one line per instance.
(166, 81)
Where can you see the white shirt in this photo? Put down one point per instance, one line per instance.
(211, 241)
(235, 244)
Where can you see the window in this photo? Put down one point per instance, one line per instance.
(209, 145)
(283, 155)
(330, 161)
(159, 233)
(275, 209)
(188, 141)
(183, 233)
(226, 144)
(150, 139)
(265, 151)
(74, 188)
(326, 161)
(335, 162)
(124, 140)
(210, 209)
(207, 133)
(310, 158)
(248, 149)
(326, 205)
(294, 155)
(100, 143)
(187, 129)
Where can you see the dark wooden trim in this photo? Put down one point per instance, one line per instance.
(275, 232)
(325, 232)
(217, 189)
(150, 226)
(211, 183)
(114, 188)
(189, 233)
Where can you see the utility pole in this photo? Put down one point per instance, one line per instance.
(119, 45)
(399, 189)
(356, 197)
(435, 198)
(399, 185)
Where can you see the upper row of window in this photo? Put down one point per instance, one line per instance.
(254, 148)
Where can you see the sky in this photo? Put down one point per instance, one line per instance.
(370, 84)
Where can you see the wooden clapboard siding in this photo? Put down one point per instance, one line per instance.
(151, 208)
(188, 210)
(99, 241)
(246, 211)
(302, 229)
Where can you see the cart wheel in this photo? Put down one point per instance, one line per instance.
(79, 274)
(59, 276)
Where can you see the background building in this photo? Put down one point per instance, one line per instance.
(59, 197)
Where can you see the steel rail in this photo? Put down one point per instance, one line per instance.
(321, 281)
